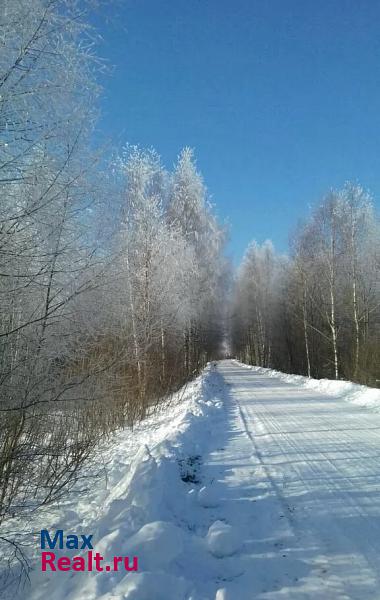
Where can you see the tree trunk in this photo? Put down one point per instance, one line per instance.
(305, 331)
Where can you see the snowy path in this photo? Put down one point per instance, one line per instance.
(245, 487)
(300, 473)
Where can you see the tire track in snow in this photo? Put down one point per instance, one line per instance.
(274, 485)
(329, 461)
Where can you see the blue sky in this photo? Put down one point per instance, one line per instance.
(279, 98)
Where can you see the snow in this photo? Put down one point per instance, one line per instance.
(222, 594)
(148, 585)
(248, 484)
(223, 540)
(209, 496)
(159, 543)
(351, 392)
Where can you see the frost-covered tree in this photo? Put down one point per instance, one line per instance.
(189, 209)
(158, 269)
(255, 303)
(47, 107)
(321, 316)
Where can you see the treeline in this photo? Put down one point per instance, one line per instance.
(111, 270)
(317, 312)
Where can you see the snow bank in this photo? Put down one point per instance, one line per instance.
(159, 543)
(146, 507)
(352, 392)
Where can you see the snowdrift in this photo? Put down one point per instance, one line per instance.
(146, 506)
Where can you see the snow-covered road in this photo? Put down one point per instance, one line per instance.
(301, 478)
(248, 485)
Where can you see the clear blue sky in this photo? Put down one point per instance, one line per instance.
(279, 98)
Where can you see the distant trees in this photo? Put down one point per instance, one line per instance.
(254, 304)
(317, 313)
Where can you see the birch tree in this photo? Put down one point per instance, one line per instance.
(323, 319)
(189, 209)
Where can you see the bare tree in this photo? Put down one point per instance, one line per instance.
(323, 319)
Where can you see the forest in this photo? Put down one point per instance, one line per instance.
(315, 312)
(115, 289)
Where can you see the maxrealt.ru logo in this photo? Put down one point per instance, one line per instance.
(87, 560)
